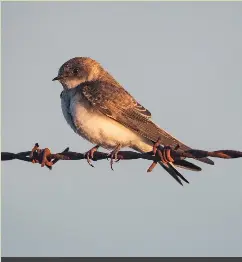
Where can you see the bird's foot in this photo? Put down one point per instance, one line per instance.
(114, 155)
(89, 154)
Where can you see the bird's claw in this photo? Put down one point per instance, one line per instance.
(89, 155)
(114, 156)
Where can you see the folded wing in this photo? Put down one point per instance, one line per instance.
(116, 103)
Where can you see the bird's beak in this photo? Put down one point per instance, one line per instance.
(57, 78)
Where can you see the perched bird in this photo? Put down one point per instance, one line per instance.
(100, 110)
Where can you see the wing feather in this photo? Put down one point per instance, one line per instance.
(116, 103)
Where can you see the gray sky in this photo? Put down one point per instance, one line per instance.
(183, 62)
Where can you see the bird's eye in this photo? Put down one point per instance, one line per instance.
(75, 71)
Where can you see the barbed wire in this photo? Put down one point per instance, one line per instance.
(44, 157)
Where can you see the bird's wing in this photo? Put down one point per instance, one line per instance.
(113, 101)
(116, 103)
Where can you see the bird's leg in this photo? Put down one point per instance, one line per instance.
(114, 155)
(89, 154)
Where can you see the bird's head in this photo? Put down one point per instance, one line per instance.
(78, 70)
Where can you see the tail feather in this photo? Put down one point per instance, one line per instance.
(203, 159)
(178, 173)
(170, 167)
(206, 160)
(174, 173)
(187, 165)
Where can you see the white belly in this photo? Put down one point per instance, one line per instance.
(100, 129)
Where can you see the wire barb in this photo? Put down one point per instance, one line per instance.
(44, 157)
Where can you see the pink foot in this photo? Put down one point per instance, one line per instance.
(89, 154)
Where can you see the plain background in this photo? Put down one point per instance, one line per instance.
(180, 60)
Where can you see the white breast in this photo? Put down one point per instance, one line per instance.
(93, 125)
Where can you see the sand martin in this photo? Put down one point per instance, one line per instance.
(100, 110)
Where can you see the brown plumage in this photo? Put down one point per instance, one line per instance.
(116, 103)
(99, 109)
